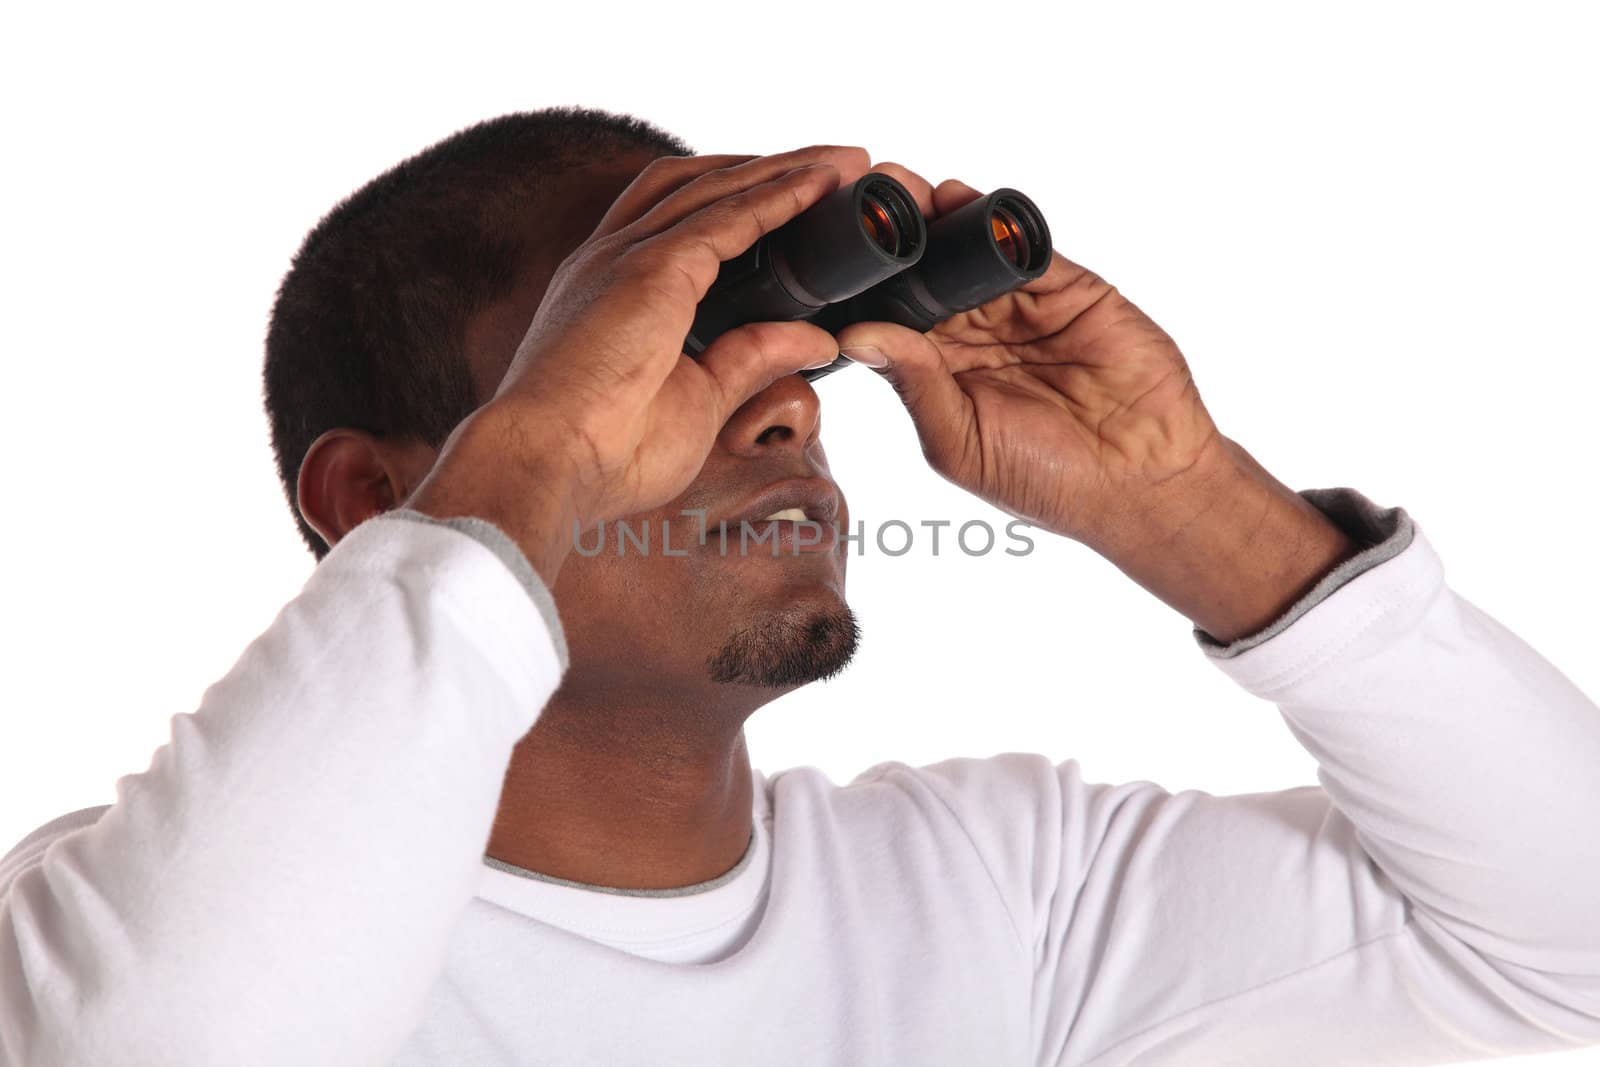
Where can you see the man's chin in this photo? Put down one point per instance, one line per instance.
(789, 649)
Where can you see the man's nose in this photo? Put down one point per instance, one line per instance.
(785, 415)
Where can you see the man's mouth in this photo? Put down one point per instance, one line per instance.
(784, 533)
(790, 500)
(788, 517)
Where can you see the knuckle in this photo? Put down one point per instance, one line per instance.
(661, 269)
(769, 206)
(596, 249)
(799, 335)
(744, 338)
(646, 260)
(763, 336)
(739, 354)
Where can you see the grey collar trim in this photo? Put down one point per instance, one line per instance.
(679, 891)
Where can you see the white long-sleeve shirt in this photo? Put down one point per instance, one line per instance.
(299, 878)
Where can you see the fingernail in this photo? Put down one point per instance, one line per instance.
(820, 363)
(866, 355)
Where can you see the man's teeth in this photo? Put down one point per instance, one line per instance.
(789, 514)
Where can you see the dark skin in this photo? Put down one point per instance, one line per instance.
(1062, 404)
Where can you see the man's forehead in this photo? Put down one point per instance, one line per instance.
(569, 207)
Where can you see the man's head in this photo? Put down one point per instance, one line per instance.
(401, 312)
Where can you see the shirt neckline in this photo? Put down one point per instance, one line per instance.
(620, 916)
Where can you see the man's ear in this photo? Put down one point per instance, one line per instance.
(348, 476)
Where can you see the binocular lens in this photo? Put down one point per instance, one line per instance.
(886, 217)
(840, 246)
(875, 217)
(981, 250)
(1019, 232)
(1009, 236)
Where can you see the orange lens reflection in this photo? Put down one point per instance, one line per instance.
(1010, 236)
(880, 224)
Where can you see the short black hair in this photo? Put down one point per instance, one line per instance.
(367, 328)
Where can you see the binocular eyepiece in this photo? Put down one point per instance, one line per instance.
(864, 253)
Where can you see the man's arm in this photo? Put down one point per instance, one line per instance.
(1227, 545)
(1453, 845)
(279, 885)
(1434, 901)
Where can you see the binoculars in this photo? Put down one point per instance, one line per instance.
(864, 253)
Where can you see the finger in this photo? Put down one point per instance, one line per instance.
(745, 360)
(952, 194)
(685, 259)
(915, 184)
(662, 177)
(718, 184)
(941, 411)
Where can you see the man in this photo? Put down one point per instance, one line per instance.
(478, 798)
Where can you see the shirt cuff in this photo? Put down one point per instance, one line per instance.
(495, 540)
(1385, 531)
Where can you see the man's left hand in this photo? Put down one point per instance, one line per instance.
(1064, 404)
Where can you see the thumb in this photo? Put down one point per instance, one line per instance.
(745, 360)
(914, 365)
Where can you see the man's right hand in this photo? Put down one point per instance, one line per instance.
(601, 414)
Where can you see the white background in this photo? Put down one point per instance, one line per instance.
(1372, 227)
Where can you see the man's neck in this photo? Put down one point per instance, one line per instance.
(625, 799)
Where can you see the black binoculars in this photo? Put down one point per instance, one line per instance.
(864, 253)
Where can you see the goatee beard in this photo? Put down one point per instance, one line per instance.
(785, 652)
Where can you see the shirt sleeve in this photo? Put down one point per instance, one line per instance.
(280, 884)
(1433, 900)
(1385, 533)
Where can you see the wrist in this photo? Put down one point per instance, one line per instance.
(1227, 544)
(492, 468)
